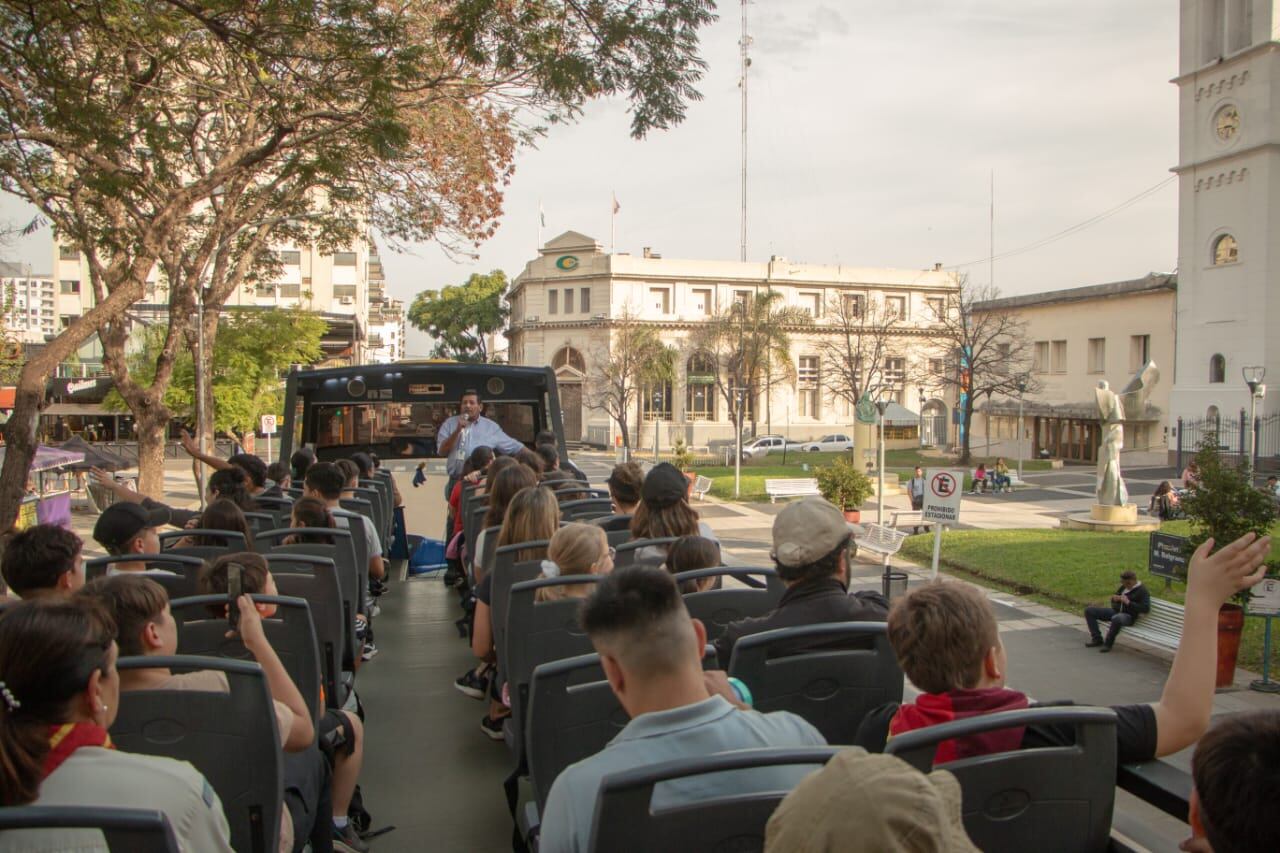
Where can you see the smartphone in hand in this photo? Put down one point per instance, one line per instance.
(234, 591)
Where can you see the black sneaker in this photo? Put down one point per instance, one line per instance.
(491, 727)
(472, 684)
(1105, 648)
(1093, 644)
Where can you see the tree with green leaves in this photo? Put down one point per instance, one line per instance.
(254, 349)
(631, 357)
(1224, 505)
(463, 317)
(750, 344)
(128, 122)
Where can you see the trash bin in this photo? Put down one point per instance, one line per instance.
(894, 585)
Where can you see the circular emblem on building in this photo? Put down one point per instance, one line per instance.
(495, 385)
(1226, 123)
(567, 262)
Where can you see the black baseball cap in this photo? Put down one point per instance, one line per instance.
(123, 521)
(664, 486)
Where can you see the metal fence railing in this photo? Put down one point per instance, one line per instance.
(1231, 436)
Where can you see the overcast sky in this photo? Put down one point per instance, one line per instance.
(874, 130)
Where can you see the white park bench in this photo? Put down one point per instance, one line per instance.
(1161, 626)
(701, 485)
(881, 540)
(797, 488)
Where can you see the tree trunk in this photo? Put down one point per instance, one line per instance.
(626, 437)
(20, 431)
(967, 423)
(153, 428)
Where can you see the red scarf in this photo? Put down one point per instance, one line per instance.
(930, 709)
(66, 738)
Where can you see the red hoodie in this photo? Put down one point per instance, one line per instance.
(930, 709)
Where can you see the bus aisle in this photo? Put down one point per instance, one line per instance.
(428, 769)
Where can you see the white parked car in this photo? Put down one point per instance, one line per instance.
(762, 445)
(828, 443)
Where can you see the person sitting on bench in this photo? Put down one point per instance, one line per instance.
(1131, 600)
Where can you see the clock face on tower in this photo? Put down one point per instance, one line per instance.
(1226, 124)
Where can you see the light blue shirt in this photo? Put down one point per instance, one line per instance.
(706, 727)
(915, 487)
(482, 433)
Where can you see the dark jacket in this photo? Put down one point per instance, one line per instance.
(1139, 601)
(809, 603)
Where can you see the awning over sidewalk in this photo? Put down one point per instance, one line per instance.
(83, 410)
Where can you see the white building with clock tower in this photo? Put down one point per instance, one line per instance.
(1228, 308)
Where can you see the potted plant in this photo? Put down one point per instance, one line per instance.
(682, 458)
(845, 486)
(1225, 505)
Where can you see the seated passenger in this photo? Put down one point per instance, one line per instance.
(946, 641)
(651, 651)
(397, 500)
(310, 512)
(530, 460)
(232, 484)
(565, 487)
(533, 515)
(693, 552)
(302, 459)
(575, 549)
(664, 511)
(547, 438)
(145, 627)
(863, 802)
(812, 548)
(61, 692)
(473, 471)
(255, 470)
(222, 514)
(129, 528)
(341, 733)
(504, 486)
(279, 473)
(625, 484)
(1236, 770)
(43, 561)
(326, 481)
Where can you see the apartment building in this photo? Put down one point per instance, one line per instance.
(28, 303)
(1081, 336)
(566, 304)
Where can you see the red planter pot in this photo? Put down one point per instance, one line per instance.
(1230, 628)
(853, 515)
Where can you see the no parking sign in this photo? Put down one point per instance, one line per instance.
(942, 490)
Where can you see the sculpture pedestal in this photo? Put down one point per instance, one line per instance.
(1111, 519)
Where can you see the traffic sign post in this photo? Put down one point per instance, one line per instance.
(943, 488)
(1264, 601)
(268, 429)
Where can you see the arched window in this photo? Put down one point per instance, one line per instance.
(569, 357)
(1212, 414)
(700, 388)
(1225, 250)
(1218, 368)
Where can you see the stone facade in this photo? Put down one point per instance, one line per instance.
(566, 304)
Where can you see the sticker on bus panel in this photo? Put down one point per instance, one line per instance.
(432, 388)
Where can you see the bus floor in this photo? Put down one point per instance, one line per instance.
(428, 769)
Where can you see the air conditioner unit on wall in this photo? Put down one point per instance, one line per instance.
(532, 318)
(346, 300)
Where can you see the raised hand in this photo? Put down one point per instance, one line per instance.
(1218, 576)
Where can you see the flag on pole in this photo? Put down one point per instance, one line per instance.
(616, 206)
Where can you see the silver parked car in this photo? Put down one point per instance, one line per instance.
(829, 443)
(762, 445)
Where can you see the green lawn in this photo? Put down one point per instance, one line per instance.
(1067, 569)
(756, 471)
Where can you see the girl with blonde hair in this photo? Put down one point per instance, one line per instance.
(575, 549)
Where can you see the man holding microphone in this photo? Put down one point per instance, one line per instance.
(466, 431)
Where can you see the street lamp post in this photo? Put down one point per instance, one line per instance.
(1022, 390)
(657, 409)
(738, 392)
(920, 428)
(881, 405)
(1253, 376)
